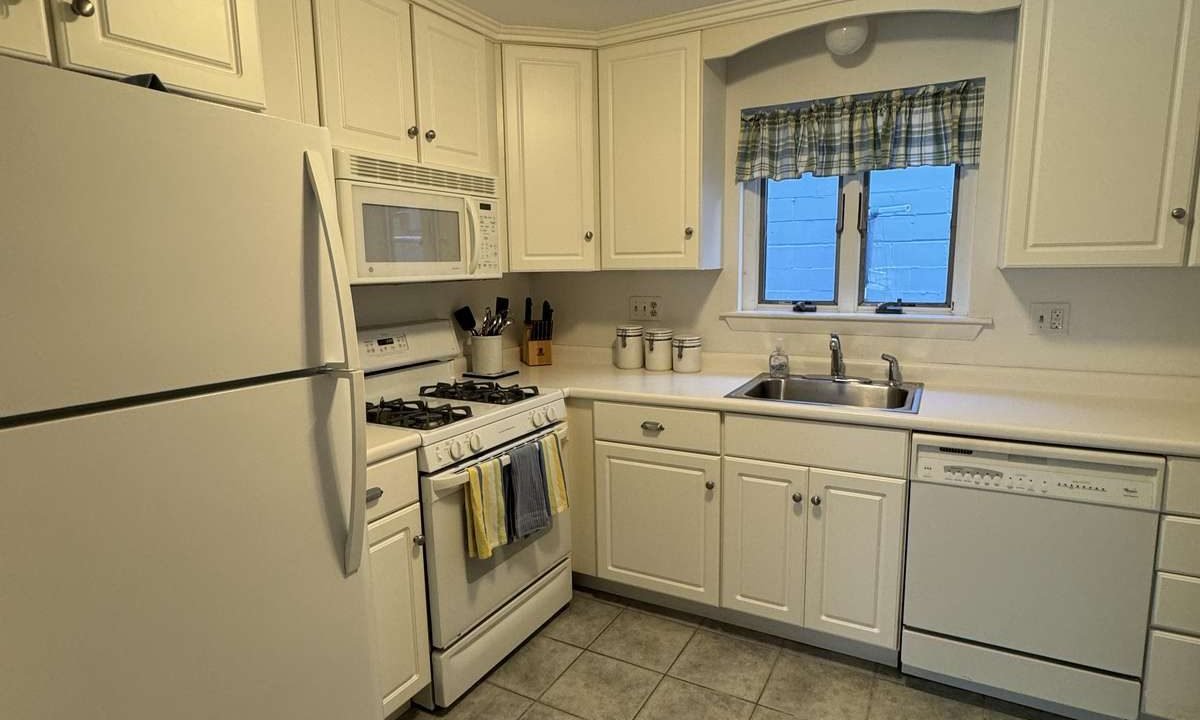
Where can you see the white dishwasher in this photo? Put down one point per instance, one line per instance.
(1029, 571)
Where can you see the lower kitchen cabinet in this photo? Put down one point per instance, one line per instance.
(763, 539)
(658, 520)
(855, 541)
(1172, 666)
(398, 592)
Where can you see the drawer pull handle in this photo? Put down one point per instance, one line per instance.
(654, 427)
(373, 494)
(709, 485)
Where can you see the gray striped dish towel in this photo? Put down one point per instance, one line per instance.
(531, 513)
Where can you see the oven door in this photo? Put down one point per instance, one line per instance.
(464, 591)
(397, 235)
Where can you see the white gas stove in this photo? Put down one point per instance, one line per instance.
(411, 384)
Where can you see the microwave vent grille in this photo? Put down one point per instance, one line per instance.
(370, 168)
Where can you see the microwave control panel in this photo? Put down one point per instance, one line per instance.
(488, 262)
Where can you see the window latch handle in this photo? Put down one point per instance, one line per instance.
(891, 308)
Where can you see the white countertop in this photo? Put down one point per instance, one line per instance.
(384, 442)
(1143, 422)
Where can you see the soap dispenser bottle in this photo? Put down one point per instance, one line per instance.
(777, 364)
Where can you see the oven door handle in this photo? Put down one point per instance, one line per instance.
(447, 481)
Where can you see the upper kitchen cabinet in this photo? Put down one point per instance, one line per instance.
(402, 82)
(550, 136)
(661, 151)
(1104, 132)
(289, 60)
(25, 30)
(205, 48)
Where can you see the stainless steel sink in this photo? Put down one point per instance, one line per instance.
(854, 392)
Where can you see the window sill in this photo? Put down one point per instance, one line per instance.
(916, 325)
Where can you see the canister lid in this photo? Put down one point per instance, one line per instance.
(686, 341)
(659, 334)
(629, 330)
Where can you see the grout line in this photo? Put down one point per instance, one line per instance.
(770, 674)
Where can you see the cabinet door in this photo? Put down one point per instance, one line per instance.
(24, 30)
(550, 137)
(455, 93)
(1172, 666)
(658, 520)
(763, 539)
(650, 153)
(207, 48)
(855, 537)
(1104, 133)
(365, 64)
(398, 590)
(289, 60)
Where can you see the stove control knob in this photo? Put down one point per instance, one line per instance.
(538, 417)
(437, 452)
(456, 450)
(476, 443)
(551, 415)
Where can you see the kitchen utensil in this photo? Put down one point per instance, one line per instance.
(466, 319)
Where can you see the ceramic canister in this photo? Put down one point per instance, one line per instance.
(657, 342)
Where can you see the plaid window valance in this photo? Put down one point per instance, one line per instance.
(932, 125)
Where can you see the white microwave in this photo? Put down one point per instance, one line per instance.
(397, 233)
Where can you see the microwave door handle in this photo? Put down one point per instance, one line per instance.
(355, 533)
(471, 223)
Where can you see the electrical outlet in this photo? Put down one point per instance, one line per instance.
(645, 307)
(1050, 318)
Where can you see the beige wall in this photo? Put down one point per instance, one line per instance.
(1121, 320)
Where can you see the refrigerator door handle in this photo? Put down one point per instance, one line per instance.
(318, 180)
(356, 532)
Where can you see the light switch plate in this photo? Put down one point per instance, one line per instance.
(645, 307)
(1049, 318)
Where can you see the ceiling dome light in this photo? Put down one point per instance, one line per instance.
(846, 37)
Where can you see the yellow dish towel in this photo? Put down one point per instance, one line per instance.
(486, 526)
(556, 477)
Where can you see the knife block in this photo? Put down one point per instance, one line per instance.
(536, 352)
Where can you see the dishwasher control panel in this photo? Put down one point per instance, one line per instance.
(1078, 475)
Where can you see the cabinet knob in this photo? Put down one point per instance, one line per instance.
(816, 500)
(430, 135)
(412, 132)
(588, 236)
(1179, 213)
(419, 540)
(83, 8)
(709, 485)
(797, 497)
(689, 231)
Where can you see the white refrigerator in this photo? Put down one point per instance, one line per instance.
(181, 417)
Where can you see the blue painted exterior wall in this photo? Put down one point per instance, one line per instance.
(801, 246)
(908, 234)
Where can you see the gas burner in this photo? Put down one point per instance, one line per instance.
(415, 414)
(479, 391)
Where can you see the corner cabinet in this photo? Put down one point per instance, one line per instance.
(289, 60)
(205, 48)
(666, 501)
(1104, 131)
(661, 155)
(550, 135)
(25, 30)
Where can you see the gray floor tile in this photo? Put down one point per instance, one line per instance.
(533, 668)
(581, 622)
(601, 688)
(642, 639)
(766, 713)
(732, 665)
(927, 701)
(488, 702)
(538, 711)
(674, 699)
(818, 688)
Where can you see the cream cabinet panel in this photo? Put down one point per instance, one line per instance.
(581, 485)
(1103, 139)
(289, 60)
(763, 539)
(652, 133)
(855, 538)
(658, 520)
(207, 48)
(25, 30)
(398, 592)
(550, 139)
(1172, 666)
(455, 77)
(1194, 260)
(368, 100)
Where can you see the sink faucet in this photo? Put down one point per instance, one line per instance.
(837, 363)
(895, 379)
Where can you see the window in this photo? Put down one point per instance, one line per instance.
(897, 245)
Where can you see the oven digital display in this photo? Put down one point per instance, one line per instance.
(485, 206)
(385, 341)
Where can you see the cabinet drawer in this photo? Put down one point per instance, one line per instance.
(1182, 495)
(698, 430)
(1179, 545)
(1177, 603)
(874, 451)
(397, 478)
(1172, 666)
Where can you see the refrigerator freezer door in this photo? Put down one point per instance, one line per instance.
(153, 242)
(184, 559)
